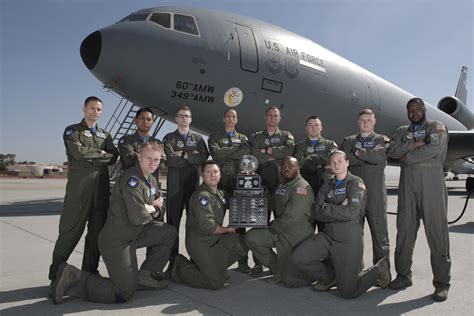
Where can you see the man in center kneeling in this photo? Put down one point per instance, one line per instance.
(334, 256)
(211, 246)
(292, 225)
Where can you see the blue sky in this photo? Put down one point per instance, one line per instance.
(417, 45)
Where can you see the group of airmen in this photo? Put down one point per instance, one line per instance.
(313, 183)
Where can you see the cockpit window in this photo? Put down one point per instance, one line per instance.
(185, 23)
(163, 19)
(135, 17)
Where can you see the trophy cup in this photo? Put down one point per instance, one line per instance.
(248, 206)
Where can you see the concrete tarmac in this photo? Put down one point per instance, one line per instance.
(29, 216)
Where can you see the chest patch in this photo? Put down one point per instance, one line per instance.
(282, 191)
(368, 144)
(101, 135)
(419, 134)
(180, 144)
(310, 149)
(153, 190)
(87, 133)
(340, 191)
(321, 148)
(275, 140)
(191, 143)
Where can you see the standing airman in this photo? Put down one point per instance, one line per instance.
(421, 148)
(89, 150)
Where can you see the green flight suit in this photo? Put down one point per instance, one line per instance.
(291, 226)
(183, 175)
(211, 254)
(422, 195)
(336, 252)
(87, 194)
(313, 158)
(282, 144)
(370, 166)
(129, 226)
(228, 151)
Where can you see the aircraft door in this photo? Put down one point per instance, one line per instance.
(248, 48)
(374, 96)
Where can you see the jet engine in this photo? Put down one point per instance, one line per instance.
(454, 107)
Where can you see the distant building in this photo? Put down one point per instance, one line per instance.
(36, 171)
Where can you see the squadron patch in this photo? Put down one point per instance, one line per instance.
(68, 131)
(310, 149)
(301, 191)
(340, 191)
(204, 201)
(132, 182)
(87, 133)
(282, 191)
(122, 140)
(419, 134)
(361, 185)
(180, 144)
(267, 142)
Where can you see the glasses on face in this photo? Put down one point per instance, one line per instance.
(183, 116)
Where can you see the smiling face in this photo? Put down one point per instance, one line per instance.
(416, 112)
(211, 175)
(289, 168)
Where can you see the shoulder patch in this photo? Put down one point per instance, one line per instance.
(132, 182)
(204, 201)
(290, 136)
(386, 139)
(68, 131)
(301, 190)
(440, 127)
(122, 140)
(361, 185)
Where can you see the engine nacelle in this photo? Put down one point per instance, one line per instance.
(454, 107)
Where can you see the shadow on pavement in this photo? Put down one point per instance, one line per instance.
(35, 207)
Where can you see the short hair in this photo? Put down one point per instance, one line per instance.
(366, 112)
(338, 151)
(209, 162)
(313, 117)
(183, 108)
(415, 101)
(271, 107)
(92, 98)
(152, 145)
(229, 109)
(140, 111)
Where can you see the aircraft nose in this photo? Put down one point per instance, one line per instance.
(90, 49)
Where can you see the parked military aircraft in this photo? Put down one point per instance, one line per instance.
(165, 57)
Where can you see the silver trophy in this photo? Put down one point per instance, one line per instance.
(248, 205)
(248, 164)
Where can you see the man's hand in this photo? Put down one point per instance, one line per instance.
(416, 144)
(177, 153)
(158, 202)
(221, 230)
(150, 208)
(345, 202)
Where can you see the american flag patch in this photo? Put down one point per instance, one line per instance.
(361, 185)
(440, 127)
(301, 191)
